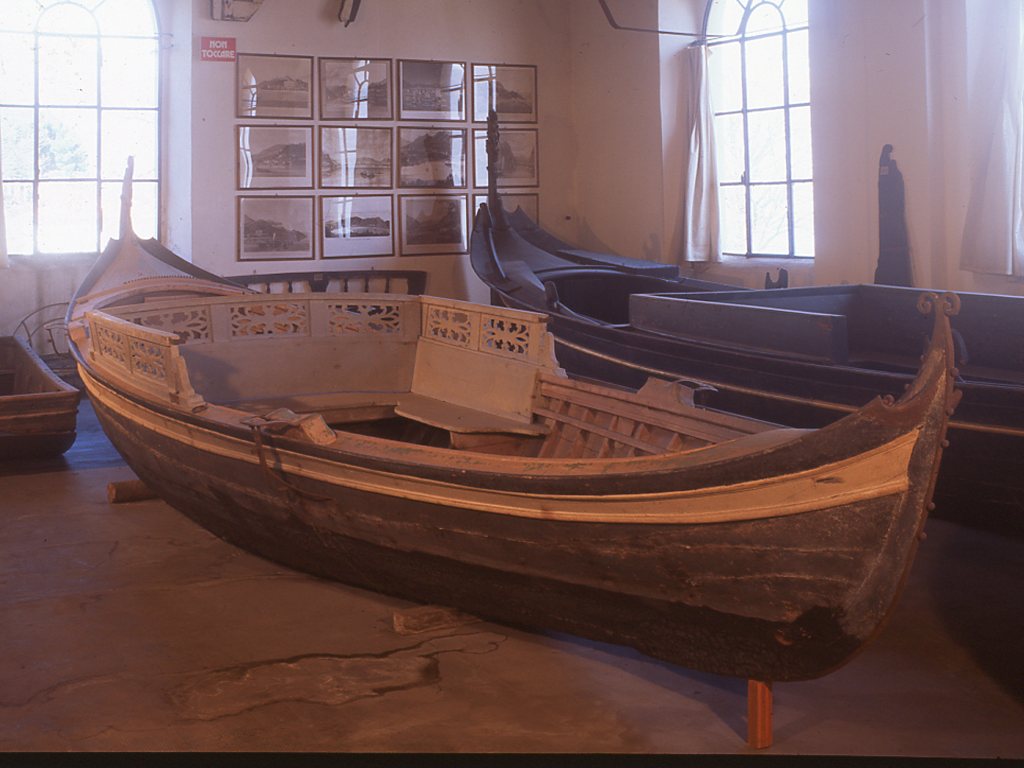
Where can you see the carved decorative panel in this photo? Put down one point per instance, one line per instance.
(503, 335)
(270, 318)
(191, 324)
(148, 359)
(352, 317)
(452, 325)
(111, 344)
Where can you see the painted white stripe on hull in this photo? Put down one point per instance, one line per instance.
(875, 474)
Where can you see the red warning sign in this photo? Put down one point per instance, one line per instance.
(216, 49)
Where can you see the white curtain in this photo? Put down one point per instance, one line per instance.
(993, 239)
(701, 240)
(3, 227)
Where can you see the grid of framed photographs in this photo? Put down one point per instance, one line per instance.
(391, 154)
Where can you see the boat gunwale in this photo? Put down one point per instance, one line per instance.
(289, 456)
(878, 408)
(380, 453)
(61, 387)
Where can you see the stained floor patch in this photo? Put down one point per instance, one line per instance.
(322, 678)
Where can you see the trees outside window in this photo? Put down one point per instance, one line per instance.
(760, 94)
(79, 94)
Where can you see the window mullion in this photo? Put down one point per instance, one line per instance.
(746, 144)
(35, 143)
(99, 140)
(775, 133)
(790, 223)
(53, 52)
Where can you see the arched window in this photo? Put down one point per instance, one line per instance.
(760, 94)
(79, 93)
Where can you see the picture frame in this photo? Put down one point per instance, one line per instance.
(432, 224)
(519, 161)
(528, 201)
(431, 90)
(356, 226)
(355, 157)
(432, 158)
(508, 89)
(273, 228)
(271, 85)
(355, 89)
(274, 156)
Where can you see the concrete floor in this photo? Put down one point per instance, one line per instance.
(127, 627)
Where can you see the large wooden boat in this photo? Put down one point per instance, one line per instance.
(38, 410)
(802, 357)
(433, 449)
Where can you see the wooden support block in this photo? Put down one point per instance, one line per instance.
(427, 618)
(759, 714)
(124, 491)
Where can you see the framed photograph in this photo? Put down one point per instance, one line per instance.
(433, 224)
(509, 90)
(356, 225)
(355, 89)
(432, 157)
(528, 201)
(274, 86)
(518, 164)
(431, 90)
(272, 228)
(271, 156)
(355, 157)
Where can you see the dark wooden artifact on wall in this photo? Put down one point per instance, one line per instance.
(893, 244)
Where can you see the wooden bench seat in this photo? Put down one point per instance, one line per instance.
(335, 407)
(348, 407)
(459, 419)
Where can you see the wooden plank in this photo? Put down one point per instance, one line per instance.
(579, 426)
(456, 418)
(759, 714)
(623, 263)
(811, 335)
(429, 618)
(123, 491)
(699, 422)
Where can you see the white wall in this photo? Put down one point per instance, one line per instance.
(868, 89)
(883, 71)
(484, 31)
(616, 117)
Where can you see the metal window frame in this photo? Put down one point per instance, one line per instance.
(741, 38)
(98, 179)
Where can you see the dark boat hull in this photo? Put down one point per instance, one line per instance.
(38, 411)
(982, 479)
(566, 576)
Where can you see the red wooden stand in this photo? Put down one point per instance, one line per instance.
(759, 714)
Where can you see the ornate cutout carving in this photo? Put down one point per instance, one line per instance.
(191, 324)
(452, 325)
(355, 317)
(148, 359)
(503, 335)
(111, 344)
(270, 318)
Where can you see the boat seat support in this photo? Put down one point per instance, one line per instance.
(459, 419)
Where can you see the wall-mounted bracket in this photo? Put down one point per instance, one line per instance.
(615, 25)
(347, 11)
(234, 10)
